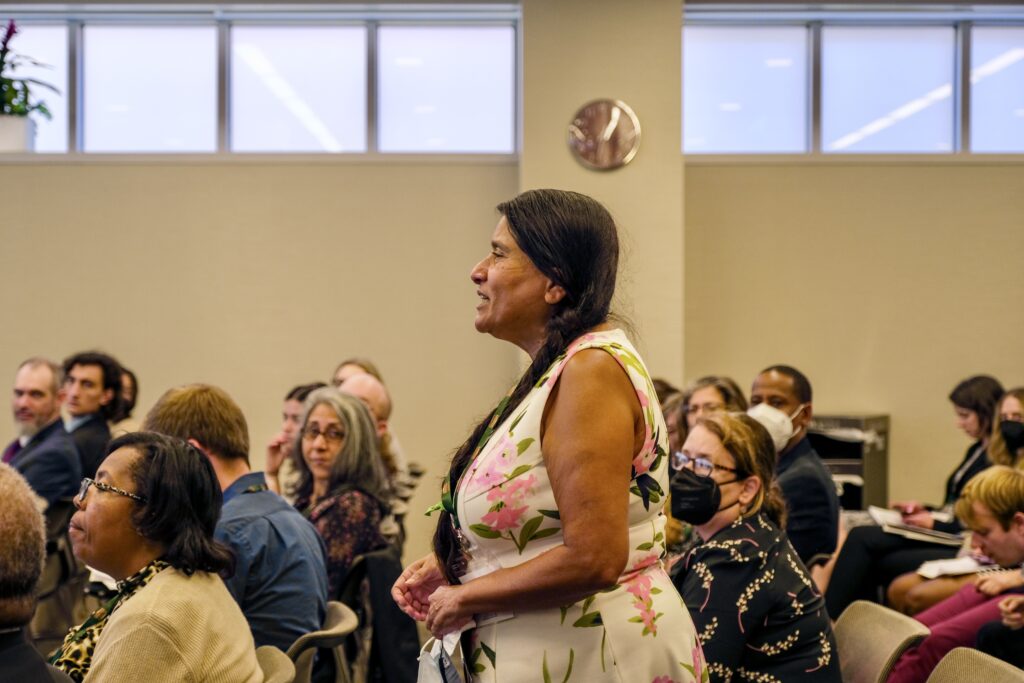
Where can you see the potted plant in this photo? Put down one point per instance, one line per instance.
(17, 129)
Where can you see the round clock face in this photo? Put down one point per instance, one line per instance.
(604, 134)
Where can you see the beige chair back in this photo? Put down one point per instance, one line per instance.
(966, 664)
(339, 622)
(276, 666)
(870, 639)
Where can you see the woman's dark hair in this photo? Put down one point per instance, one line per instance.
(979, 394)
(183, 501)
(572, 240)
(300, 392)
(126, 406)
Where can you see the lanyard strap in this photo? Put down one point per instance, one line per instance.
(256, 488)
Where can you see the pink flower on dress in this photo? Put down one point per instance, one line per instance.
(640, 587)
(697, 657)
(498, 466)
(644, 400)
(648, 452)
(504, 517)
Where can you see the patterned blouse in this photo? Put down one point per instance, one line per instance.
(349, 522)
(74, 657)
(758, 614)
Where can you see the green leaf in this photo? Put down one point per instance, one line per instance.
(522, 469)
(491, 655)
(655, 590)
(523, 445)
(645, 546)
(659, 537)
(553, 514)
(588, 602)
(568, 672)
(635, 620)
(479, 668)
(529, 529)
(516, 421)
(544, 533)
(564, 610)
(589, 619)
(547, 676)
(484, 531)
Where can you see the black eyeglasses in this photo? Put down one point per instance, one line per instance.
(86, 483)
(331, 434)
(702, 467)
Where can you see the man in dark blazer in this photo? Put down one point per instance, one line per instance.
(813, 520)
(43, 452)
(92, 387)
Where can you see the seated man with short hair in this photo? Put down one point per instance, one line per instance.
(280, 578)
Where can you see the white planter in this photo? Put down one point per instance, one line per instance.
(17, 134)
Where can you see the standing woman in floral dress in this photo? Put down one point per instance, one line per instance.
(552, 533)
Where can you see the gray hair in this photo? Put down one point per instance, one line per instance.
(56, 371)
(359, 464)
(22, 551)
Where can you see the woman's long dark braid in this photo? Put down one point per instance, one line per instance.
(562, 330)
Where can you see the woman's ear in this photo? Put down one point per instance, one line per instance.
(554, 293)
(751, 487)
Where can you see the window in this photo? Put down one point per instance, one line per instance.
(150, 88)
(298, 88)
(997, 89)
(887, 89)
(47, 45)
(446, 89)
(744, 89)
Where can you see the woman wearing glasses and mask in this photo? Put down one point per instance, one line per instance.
(751, 598)
(343, 483)
(147, 520)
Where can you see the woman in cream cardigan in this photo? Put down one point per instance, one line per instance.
(147, 520)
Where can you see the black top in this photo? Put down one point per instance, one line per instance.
(810, 493)
(757, 612)
(91, 440)
(20, 662)
(975, 460)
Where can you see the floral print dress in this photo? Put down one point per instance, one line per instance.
(636, 631)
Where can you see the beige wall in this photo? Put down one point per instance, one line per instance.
(256, 277)
(567, 62)
(885, 282)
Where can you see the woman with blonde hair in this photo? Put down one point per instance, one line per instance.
(746, 589)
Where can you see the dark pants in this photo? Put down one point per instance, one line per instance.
(870, 559)
(1002, 642)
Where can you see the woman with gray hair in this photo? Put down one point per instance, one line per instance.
(343, 484)
(21, 560)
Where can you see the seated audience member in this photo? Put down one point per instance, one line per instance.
(707, 396)
(147, 520)
(280, 579)
(911, 593)
(782, 395)
(43, 452)
(663, 389)
(21, 561)
(354, 366)
(751, 598)
(343, 485)
(282, 474)
(870, 558)
(1005, 639)
(92, 393)
(122, 421)
(992, 507)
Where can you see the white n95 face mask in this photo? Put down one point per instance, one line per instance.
(778, 424)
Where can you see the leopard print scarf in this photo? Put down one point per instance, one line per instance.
(74, 657)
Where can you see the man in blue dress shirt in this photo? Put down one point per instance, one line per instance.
(280, 579)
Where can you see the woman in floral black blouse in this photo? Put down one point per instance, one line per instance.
(343, 484)
(756, 609)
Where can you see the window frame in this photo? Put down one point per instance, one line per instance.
(222, 18)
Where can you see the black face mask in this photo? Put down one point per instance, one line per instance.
(695, 499)
(1013, 434)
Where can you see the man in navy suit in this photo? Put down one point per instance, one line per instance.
(43, 452)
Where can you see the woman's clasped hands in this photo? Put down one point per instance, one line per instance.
(424, 594)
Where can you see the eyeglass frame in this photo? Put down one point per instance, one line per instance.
(694, 462)
(311, 432)
(83, 491)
